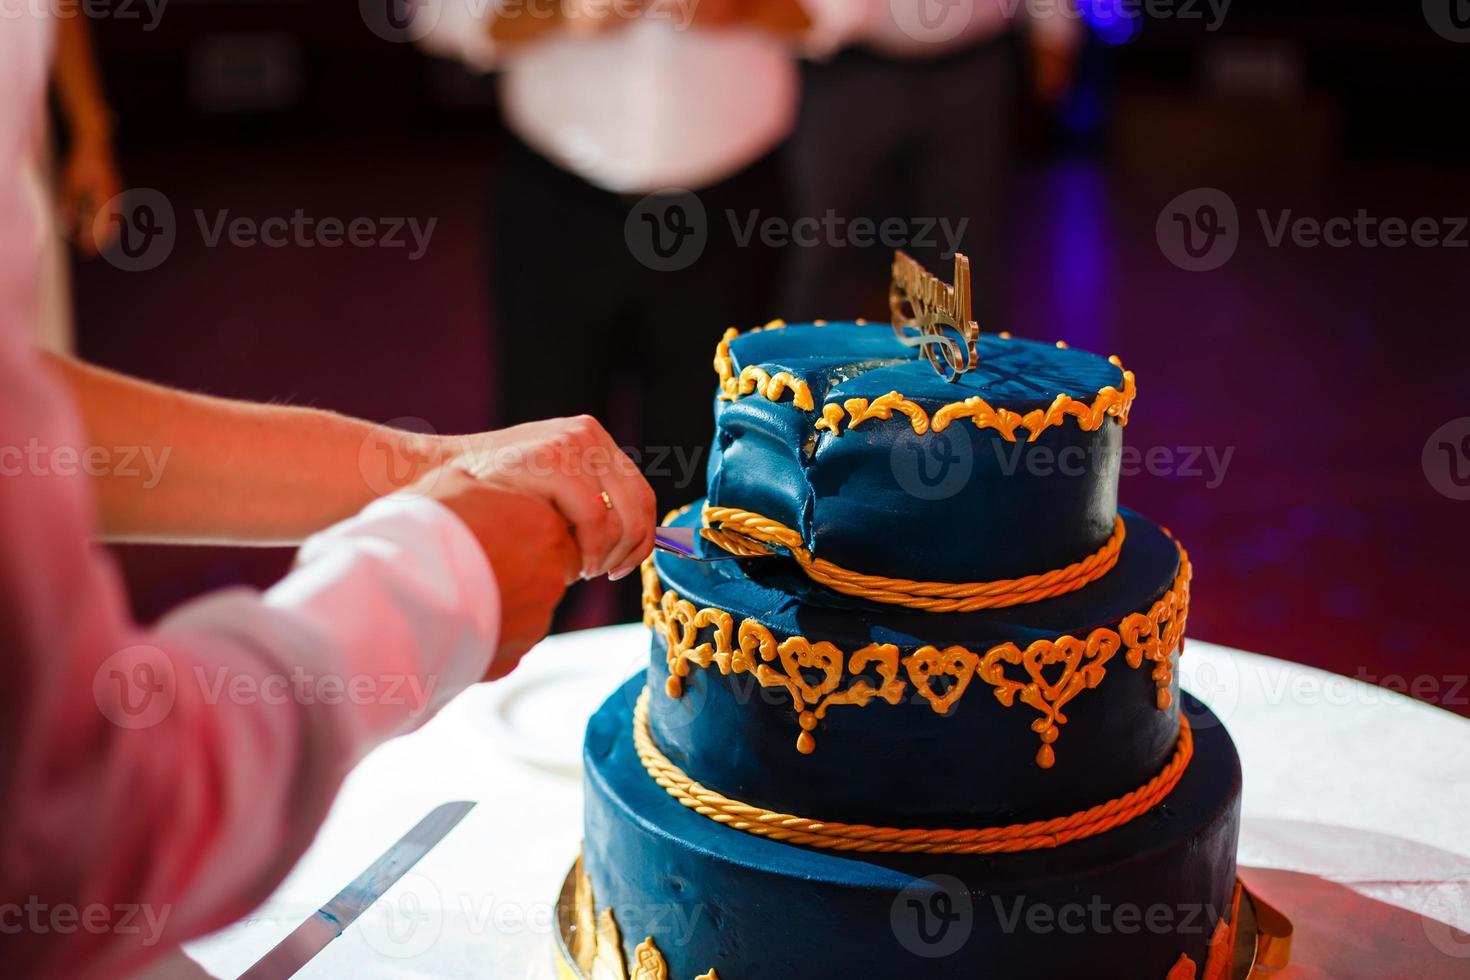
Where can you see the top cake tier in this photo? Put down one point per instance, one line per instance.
(849, 438)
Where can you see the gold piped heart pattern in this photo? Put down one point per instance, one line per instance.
(1045, 675)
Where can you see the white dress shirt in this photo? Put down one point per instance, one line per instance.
(156, 784)
(655, 104)
(646, 106)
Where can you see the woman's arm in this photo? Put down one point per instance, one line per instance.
(171, 465)
(174, 466)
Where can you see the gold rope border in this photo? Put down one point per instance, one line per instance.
(1110, 402)
(892, 840)
(745, 533)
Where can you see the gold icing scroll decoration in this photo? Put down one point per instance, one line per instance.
(1045, 675)
(1110, 402)
(598, 951)
(862, 838)
(747, 534)
(934, 316)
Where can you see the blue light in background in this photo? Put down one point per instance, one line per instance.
(1112, 20)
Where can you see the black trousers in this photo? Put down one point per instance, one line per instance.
(918, 140)
(582, 325)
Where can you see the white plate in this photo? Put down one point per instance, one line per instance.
(539, 713)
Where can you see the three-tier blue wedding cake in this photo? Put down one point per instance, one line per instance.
(929, 723)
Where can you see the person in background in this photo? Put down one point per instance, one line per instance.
(128, 783)
(913, 120)
(608, 103)
(85, 181)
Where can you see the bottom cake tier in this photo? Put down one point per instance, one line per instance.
(679, 895)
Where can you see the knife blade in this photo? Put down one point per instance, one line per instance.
(288, 956)
(686, 543)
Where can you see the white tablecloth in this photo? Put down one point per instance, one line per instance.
(1357, 822)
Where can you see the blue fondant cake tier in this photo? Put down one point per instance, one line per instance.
(908, 762)
(1126, 903)
(882, 466)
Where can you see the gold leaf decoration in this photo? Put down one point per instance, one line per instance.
(608, 963)
(584, 935)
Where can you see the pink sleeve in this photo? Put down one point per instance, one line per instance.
(155, 785)
(158, 784)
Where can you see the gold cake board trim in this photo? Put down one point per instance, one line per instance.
(1262, 936)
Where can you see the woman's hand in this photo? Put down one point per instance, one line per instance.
(571, 463)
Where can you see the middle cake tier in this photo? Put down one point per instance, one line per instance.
(776, 692)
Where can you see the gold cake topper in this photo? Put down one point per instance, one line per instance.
(931, 314)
